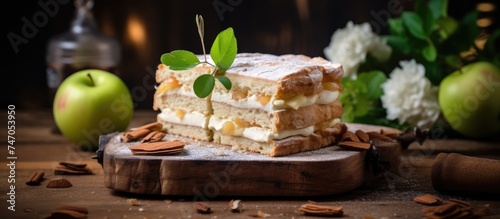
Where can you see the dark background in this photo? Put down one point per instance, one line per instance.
(272, 26)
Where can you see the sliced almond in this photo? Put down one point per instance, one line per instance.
(80, 209)
(133, 201)
(380, 136)
(70, 212)
(350, 136)
(363, 137)
(157, 146)
(321, 210)
(59, 183)
(73, 165)
(72, 170)
(58, 214)
(202, 207)
(428, 199)
(354, 145)
(259, 214)
(442, 210)
(158, 153)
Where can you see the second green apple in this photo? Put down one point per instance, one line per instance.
(470, 100)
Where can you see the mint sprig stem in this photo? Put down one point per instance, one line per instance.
(223, 53)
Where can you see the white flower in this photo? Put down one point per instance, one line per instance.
(410, 97)
(350, 45)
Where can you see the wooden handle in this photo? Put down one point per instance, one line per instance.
(459, 173)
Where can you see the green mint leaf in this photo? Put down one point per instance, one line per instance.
(224, 49)
(429, 52)
(414, 24)
(203, 85)
(225, 81)
(180, 60)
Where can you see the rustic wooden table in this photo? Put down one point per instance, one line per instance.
(38, 149)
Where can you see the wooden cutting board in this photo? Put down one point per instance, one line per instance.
(206, 170)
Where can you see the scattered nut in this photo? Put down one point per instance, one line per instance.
(450, 208)
(354, 145)
(234, 205)
(202, 207)
(259, 214)
(312, 208)
(350, 136)
(362, 136)
(59, 183)
(67, 168)
(133, 201)
(428, 199)
(68, 211)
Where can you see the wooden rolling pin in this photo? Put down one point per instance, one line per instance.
(465, 174)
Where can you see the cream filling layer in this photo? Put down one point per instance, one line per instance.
(260, 134)
(324, 97)
(189, 118)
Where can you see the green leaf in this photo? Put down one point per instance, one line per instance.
(396, 26)
(180, 60)
(471, 27)
(203, 85)
(399, 43)
(434, 71)
(224, 49)
(429, 52)
(355, 95)
(438, 8)
(414, 24)
(424, 12)
(373, 81)
(225, 81)
(446, 26)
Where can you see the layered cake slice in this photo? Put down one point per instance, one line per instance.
(278, 105)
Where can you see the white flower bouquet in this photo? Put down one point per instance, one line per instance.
(394, 80)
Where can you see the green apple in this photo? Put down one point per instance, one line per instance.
(90, 103)
(470, 100)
